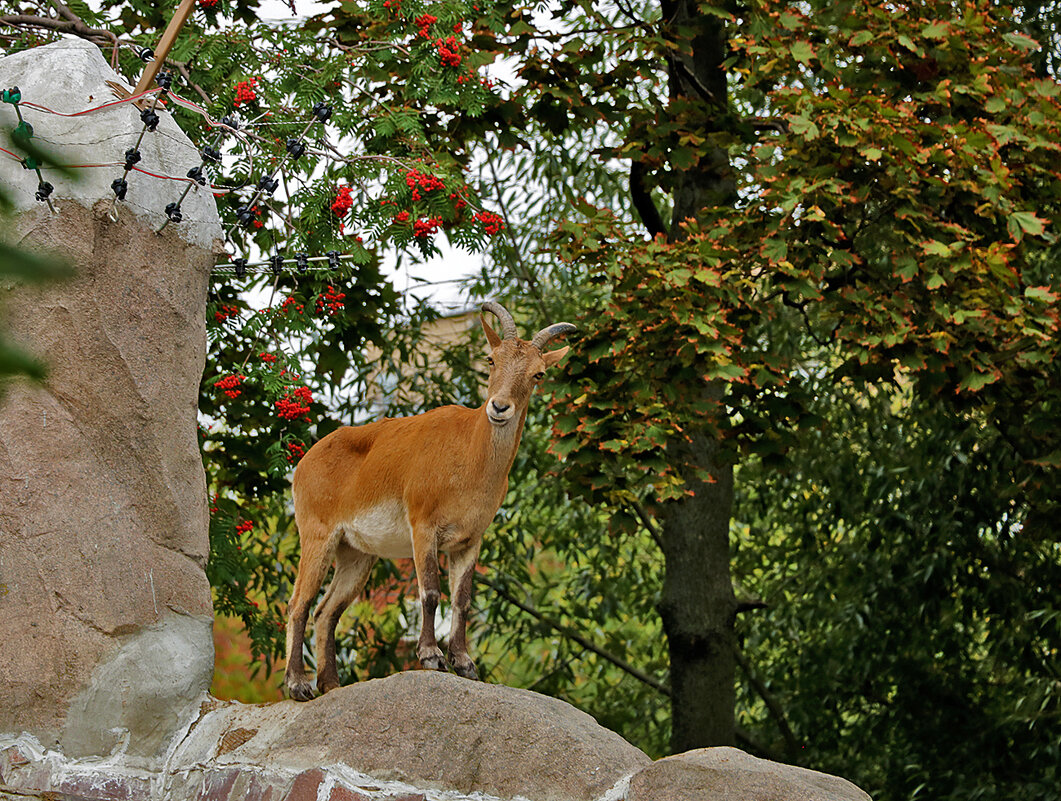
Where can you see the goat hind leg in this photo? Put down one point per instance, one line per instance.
(352, 568)
(317, 554)
(461, 580)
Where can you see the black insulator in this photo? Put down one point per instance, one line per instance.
(209, 154)
(268, 183)
(333, 259)
(276, 262)
(241, 267)
(231, 122)
(173, 211)
(245, 216)
(120, 187)
(296, 147)
(196, 174)
(145, 54)
(322, 111)
(44, 190)
(302, 261)
(149, 118)
(164, 79)
(132, 156)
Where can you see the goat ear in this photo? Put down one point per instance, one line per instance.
(491, 335)
(553, 356)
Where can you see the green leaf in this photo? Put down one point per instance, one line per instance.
(1021, 41)
(936, 30)
(1025, 222)
(802, 51)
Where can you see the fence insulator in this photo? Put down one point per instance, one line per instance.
(231, 122)
(196, 174)
(12, 95)
(173, 212)
(322, 111)
(245, 216)
(164, 79)
(132, 156)
(302, 261)
(120, 187)
(44, 190)
(241, 267)
(30, 163)
(209, 154)
(268, 184)
(149, 118)
(333, 259)
(145, 54)
(277, 263)
(296, 147)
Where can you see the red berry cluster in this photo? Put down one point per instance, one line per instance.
(424, 228)
(330, 301)
(295, 451)
(459, 202)
(393, 5)
(447, 51)
(230, 385)
(245, 92)
(424, 23)
(244, 527)
(208, 3)
(224, 312)
(401, 217)
(343, 202)
(295, 404)
(290, 304)
(417, 180)
(268, 358)
(492, 223)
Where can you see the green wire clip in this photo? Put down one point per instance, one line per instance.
(12, 95)
(23, 132)
(31, 163)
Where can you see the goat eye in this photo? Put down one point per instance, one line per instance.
(490, 360)
(539, 376)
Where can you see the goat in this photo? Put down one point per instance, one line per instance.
(411, 486)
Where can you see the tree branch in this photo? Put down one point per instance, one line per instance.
(575, 636)
(642, 200)
(791, 743)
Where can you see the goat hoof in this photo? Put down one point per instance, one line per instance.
(301, 691)
(465, 668)
(327, 686)
(433, 662)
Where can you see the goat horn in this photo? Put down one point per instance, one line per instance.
(508, 325)
(551, 332)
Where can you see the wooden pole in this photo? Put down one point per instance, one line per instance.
(181, 15)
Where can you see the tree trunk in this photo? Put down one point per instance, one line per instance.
(698, 607)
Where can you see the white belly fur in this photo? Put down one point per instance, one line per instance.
(383, 530)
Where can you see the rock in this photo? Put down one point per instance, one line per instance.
(729, 774)
(428, 730)
(105, 610)
(69, 76)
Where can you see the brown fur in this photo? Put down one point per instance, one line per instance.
(441, 475)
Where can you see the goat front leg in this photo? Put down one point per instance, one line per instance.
(461, 580)
(425, 555)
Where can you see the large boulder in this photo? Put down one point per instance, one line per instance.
(425, 730)
(729, 774)
(106, 611)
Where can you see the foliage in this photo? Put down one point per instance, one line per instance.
(910, 627)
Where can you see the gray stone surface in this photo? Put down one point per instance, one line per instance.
(103, 512)
(429, 730)
(69, 76)
(729, 774)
